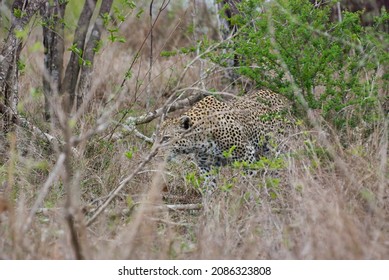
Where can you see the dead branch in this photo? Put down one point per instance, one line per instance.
(126, 212)
(22, 122)
(45, 137)
(132, 129)
(148, 117)
(131, 122)
(180, 207)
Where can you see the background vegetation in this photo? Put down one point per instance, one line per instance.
(82, 98)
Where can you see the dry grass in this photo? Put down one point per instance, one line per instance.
(327, 205)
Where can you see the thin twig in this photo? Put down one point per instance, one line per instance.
(136, 56)
(148, 89)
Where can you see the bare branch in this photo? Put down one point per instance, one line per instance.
(168, 108)
(148, 89)
(132, 129)
(180, 207)
(148, 117)
(158, 208)
(22, 122)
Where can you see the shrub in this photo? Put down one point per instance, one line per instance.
(293, 47)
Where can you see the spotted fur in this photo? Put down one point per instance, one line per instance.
(247, 127)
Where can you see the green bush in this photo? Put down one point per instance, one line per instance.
(293, 48)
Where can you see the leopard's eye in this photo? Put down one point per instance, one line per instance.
(165, 139)
(185, 122)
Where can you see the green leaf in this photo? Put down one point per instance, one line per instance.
(139, 13)
(21, 34)
(130, 153)
(18, 13)
(128, 74)
(98, 46)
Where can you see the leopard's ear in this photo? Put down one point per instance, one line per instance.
(185, 122)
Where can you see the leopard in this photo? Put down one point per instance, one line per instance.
(217, 132)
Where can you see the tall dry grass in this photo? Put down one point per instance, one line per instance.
(328, 205)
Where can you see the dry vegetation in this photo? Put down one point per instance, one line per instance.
(332, 201)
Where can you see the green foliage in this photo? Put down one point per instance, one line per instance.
(139, 13)
(130, 202)
(292, 47)
(36, 47)
(228, 154)
(226, 187)
(190, 30)
(130, 153)
(182, 50)
(36, 94)
(128, 74)
(196, 181)
(21, 34)
(98, 45)
(113, 35)
(168, 53)
(106, 145)
(129, 4)
(273, 163)
(318, 154)
(124, 8)
(106, 19)
(272, 186)
(21, 63)
(367, 195)
(18, 13)
(73, 48)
